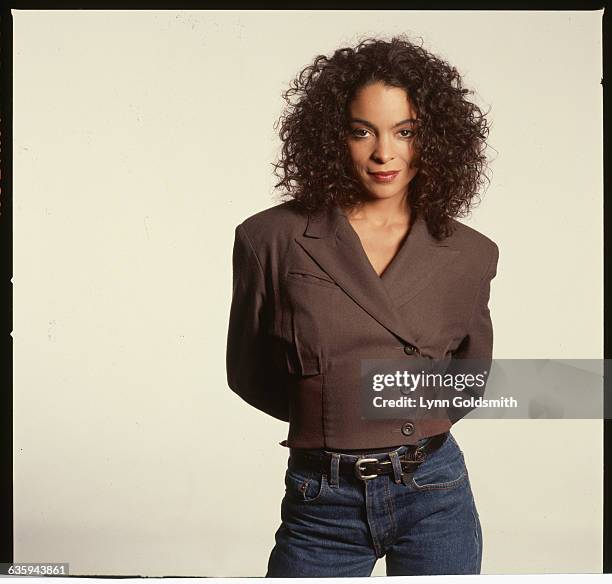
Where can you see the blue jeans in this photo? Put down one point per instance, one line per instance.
(337, 525)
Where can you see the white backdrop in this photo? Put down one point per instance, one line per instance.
(141, 138)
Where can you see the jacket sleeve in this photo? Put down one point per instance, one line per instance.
(249, 365)
(474, 354)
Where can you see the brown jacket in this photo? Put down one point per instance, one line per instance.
(308, 306)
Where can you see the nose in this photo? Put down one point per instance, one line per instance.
(382, 152)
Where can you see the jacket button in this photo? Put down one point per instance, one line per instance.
(410, 349)
(408, 429)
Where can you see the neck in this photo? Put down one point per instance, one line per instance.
(381, 212)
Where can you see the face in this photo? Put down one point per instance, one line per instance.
(381, 129)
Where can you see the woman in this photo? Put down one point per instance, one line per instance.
(366, 264)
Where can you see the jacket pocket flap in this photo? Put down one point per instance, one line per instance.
(299, 275)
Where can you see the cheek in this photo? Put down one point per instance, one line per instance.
(408, 151)
(356, 154)
(411, 160)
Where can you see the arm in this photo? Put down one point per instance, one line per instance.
(249, 366)
(477, 345)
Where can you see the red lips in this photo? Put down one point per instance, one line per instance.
(387, 176)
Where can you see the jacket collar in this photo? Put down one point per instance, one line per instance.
(324, 223)
(333, 244)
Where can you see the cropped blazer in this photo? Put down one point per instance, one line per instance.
(307, 307)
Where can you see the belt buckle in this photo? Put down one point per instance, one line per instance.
(418, 456)
(358, 468)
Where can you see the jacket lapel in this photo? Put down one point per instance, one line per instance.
(334, 245)
(416, 264)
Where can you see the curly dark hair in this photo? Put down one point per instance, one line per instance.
(314, 166)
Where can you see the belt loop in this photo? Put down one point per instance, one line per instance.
(397, 467)
(334, 477)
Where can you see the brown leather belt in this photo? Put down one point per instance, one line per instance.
(366, 468)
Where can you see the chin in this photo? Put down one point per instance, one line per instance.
(386, 192)
(372, 196)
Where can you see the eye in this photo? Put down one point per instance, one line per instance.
(409, 133)
(355, 132)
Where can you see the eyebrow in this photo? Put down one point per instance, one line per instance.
(371, 125)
